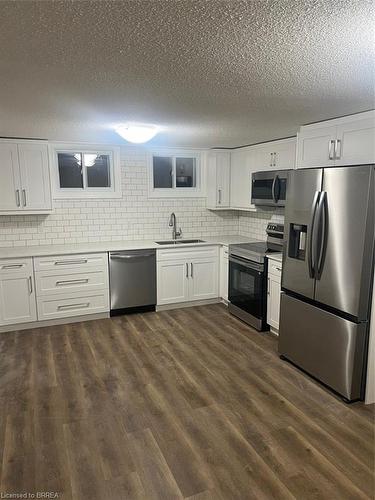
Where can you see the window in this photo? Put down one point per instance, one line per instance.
(85, 172)
(175, 175)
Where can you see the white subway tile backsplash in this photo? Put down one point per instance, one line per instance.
(134, 216)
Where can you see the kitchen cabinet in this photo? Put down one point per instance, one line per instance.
(224, 271)
(242, 166)
(185, 275)
(218, 179)
(71, 285)
(17, 292)
(276, 155)
(26, 185)
(343, 141)
(273, 294)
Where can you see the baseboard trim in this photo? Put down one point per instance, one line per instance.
(179, 305)
(53, 322)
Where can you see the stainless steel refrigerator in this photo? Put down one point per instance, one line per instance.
(328, 268)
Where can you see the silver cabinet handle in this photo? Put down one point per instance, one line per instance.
(278, 269)
(274, 159)
(331, 150)
(71, 282)
(12, 266)
(268, 286)
(337, 149)
(271, 161)
(18, 201)
(24, 197)
(67, 262)
(191, 269)
(73, 306)
(30, 285)
(219, 196)
(187, 270)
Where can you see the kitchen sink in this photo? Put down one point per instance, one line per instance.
(178, 242)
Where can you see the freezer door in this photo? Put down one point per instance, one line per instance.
(326, 346)
(301, 200)
(346, 228)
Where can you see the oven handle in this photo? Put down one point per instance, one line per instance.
(246, 263)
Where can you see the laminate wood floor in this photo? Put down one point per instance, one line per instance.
(189, 403)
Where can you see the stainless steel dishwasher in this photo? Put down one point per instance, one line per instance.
(132, 277)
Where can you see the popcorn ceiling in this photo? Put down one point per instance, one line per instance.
(213, 72)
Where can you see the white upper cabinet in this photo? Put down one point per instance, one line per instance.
(276, 155)
(25, 186)
(242, 166)
(218, 179)
(343, 141)
(10, 199)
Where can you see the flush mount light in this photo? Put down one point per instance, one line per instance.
(137, 133)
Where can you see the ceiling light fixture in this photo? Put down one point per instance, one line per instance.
(137, 133)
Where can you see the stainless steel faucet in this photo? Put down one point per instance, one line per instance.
(173, 223)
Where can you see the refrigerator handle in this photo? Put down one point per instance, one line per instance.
(322, 217)
(313, 235)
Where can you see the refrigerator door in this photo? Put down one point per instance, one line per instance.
(346, 239)
(302, 196)
(326, 346)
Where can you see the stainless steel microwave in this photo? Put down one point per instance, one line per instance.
(268, 188)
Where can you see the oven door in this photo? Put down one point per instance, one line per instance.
(269, 188)
(247, 289)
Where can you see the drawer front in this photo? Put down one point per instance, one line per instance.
(16, 266)
(69, 305)
(73, 261)
(187, 253)
(52, 282)
(274, 268)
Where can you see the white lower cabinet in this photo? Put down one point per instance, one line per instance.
(17, 292)
(273, 294)
(185, 275)
(71, 285)
(224, 272)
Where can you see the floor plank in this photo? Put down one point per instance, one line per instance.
(187, 403)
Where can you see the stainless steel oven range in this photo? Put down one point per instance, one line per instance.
(248, 277)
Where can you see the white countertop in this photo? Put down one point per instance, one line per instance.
(111, 246)
(275, 256)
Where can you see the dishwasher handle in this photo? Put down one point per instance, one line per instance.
(129, 256)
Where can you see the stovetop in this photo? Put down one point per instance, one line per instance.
(255, 252)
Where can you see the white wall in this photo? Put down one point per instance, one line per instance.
(134, 216)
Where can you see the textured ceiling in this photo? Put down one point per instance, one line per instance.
(212, 73)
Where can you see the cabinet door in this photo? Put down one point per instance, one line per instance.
(35, 179)
(314, 147)
(242, 166)
(172, 282)
(264, 157)
(17, 299)
(223, 179)
(203, 279)
(10, 178)
(273, 302)
(285, 155)
(224, 269)
(356, 143)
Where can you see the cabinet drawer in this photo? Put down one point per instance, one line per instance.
(187, 253)
(16, 266)
(72, 304)
(73, 261)
(52, 282)
(274, 268)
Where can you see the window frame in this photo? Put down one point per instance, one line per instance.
(114, 191)
(176, 192)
